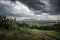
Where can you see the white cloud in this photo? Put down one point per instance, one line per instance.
(21, 8)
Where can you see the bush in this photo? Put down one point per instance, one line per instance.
(6, 23)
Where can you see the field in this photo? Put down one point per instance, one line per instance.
(12, 30)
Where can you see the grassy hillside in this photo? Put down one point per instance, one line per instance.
(12, 30)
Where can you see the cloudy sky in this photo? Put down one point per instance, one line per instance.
(31, 9)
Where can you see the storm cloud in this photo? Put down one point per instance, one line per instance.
(11, 9)
(35, 4)
(30, 9)
(55, 6)
(52, 7)
(45, 6)
(5, 10)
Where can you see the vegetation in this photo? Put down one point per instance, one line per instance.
(12, 30)
(55, 27)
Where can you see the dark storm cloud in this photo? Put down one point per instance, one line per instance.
(52, 8)
(35, 4)
(55, 6)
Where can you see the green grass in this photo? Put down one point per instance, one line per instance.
(12, 30)
(44, 32)
(27, 34)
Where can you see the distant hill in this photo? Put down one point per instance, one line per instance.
(40, 21)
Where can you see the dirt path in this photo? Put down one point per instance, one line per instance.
(45, 37)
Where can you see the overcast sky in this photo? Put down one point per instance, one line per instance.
(31, 9)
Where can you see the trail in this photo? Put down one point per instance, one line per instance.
(45, 37)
